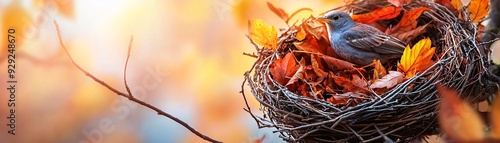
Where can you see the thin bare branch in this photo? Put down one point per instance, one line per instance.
(129, 96)
(250, 55)
(126, 65)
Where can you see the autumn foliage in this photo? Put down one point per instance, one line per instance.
(461, 122)
(309, 67)
(417, 59)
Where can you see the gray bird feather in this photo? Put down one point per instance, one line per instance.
(360, 43)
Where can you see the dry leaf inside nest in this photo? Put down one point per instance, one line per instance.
(417, 59)
(320, 72)
(283, 69)
(384, 13)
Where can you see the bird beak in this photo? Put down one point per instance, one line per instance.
(323, 19)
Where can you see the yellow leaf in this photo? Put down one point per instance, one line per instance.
(457, 4)
(458, 119)
(478, 9)
(263, 34)
(495, 118)
(416, 59)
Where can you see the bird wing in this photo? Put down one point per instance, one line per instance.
(368, 38)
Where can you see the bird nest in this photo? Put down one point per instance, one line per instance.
(305, 110)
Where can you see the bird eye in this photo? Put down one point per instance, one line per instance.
(336, 17)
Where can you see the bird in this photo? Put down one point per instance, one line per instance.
(359, 43)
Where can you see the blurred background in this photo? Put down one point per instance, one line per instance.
(186, 59)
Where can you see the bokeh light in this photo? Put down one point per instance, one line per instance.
(186, 59)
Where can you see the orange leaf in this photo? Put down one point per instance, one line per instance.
(356, 84)
(416, 59)
(263, 34)
(316, 67)
(278, 11)
(383, 13)
(389, 81)
(408, 21)
(478, 9)
(457, 4)
(313, 37)
(314, 45)
(335, 63)
(407, 36)
(495, 118)
(310, 45)
(283, 69)
(299, 74)
(260, 139)
(379, 70)
(458, 119)
(301, 33)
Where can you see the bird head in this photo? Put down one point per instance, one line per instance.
(337, 21)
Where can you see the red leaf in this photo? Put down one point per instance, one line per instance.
(408, 21)
(310, 45)
(356, 84)
(338, 64)
(283, 69)
(313, 37)
(316, 67)
(313, 45)
(452, 5)
(408, 36)
(383, 13)
(299, 74)
(278, 11)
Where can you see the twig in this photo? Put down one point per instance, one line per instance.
(250, 55)
(247, 75)
(297, 12)
(125, 68)
(129, 95)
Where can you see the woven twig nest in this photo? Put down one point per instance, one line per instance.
(405, 112)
